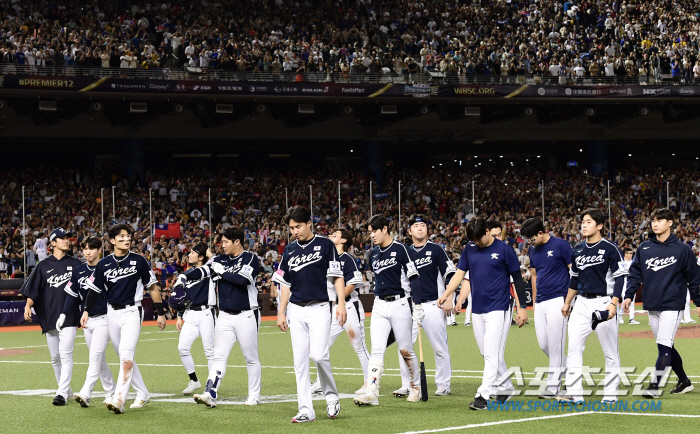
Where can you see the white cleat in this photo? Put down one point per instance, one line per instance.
(316, 388)
(251, 402)
(467, 324)
(191, 387)
(84, 402)
(442, 391)
(115, 406)
(369, 398)
(108, 398)
(634, 322)
(206, 399)
(333, 409)
(70, 394)
(414, 395)
(302, 418)
(400, 393)
(691, 321)
(622, 321)
(362, 390)
(139, 403)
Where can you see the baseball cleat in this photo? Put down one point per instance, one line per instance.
(634, 322)
(139, 403)
(191, 387)
(691, 321)
(547, 395)
(651, 392)
(369, 398)
(467, 324)
(59, 400)
(206, 399)
(84, 402)
(107, 399)
(302, 418)
(400, 393)
(682, 387)
(316, 388)
(622, 321)
(564, 398)
(504, 397)
(251, 402)
(414, 395)
(478, 404)
(442, 391)
(333, 409)
(362, 390)
(69, 395)
(115, 406)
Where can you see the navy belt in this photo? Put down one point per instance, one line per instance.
(392, 297)
(236, 312)
(308, 303)
(121, 306)
(199, 307)
(592, 295)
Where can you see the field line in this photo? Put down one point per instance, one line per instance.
(500, 422)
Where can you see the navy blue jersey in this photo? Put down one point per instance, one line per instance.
(490, 269)
(351, 274)
(309, 270)
(123, 278)
(77, 288)
(666, 272)
(200, 287)
(596, 269)
(45, 286)
(237, 289)
(435, 269)
(551, 263)
(393, 266)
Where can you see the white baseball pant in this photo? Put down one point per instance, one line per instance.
(468, 312)
(686, 312)
(310, 327)
(124, 330)
(491, 333)
(550, 328)
(97, 337)
(621, 311)
(61, 349)
(397, 316)
(355, 327)
(197, 322)
(664, 325)
(579, 329)
(435, 326)
(229, 329)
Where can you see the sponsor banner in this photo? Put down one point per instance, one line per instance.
(12, 313)
(358, 90)
(380, 196)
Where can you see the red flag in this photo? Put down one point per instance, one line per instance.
(169, 230)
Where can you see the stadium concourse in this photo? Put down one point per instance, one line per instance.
(621, 40)
(256, 201)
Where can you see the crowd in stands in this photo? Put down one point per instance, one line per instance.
(511, 39)
(256, 201)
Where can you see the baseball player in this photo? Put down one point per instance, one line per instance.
(310, 278)
(436, 270)
(628, 254)
(199, 318)
(45, 293)
(355, 324)
(667, 269)
(124, 276)
(396, 277)
(95, 330)
(239, 319)
(491, 264)
(468, 311)
(597, 282)
(550, 260)
(687, 319)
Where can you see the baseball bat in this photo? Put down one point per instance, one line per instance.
(423, 379)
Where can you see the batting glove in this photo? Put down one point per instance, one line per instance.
(418, 314)
(181, 280)
(60, 321)
(218, 268)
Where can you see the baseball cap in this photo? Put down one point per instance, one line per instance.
(598, 317)
(58, 233)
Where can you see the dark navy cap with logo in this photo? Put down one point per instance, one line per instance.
(58, 233)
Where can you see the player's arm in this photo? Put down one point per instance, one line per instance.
(282, 308)
(619, 273)
(70, 302)
(533, 280)
(335, 271)
(634, 280)
(30, 290)
(692, 266)
(573, 288)
(463, 294)
(352, 277)
(462, 268)
(154, 289)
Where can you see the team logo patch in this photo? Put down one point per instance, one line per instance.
(550, 253)
(132, 262)
(428, 253)
(494, 255)
(334, 267)
(411, 268)
(601, 252)
(69, 268)
(393, 253)
(657, 264)
(280, 273)
(317, 248)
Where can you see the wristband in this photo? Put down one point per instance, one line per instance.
(523, 306)
(159, 308)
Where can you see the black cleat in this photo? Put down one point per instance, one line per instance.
(683, 387)
(59, 400)
(651, 392)
(478, 404)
